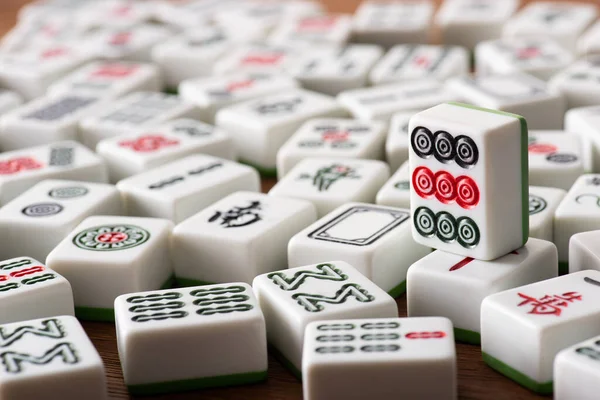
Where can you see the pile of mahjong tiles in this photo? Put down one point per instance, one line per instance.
(453, 183)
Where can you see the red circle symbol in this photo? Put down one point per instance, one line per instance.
(426, 335)
(542, 148)
(112, 237)
(445, 187)
(467, 192)
(423, 181)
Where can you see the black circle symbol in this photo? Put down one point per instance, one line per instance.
(562, 158)
(468, 233)
(467, 153)
(421, 141)
(424, 221)
(42, 209)
(68, 192)
(536, 204)
(443, 144)
(446, 227)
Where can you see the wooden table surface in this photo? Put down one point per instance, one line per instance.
(475, 379)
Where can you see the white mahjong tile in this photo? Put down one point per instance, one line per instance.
(396, 144)
(467, 197)
(579, 83)
(396, 191)
(331, 182)
(543, 202)
(21, 169)
(375, 240)
(50, 357)
(584, 122)
(132, 112)
(292, 298)
(319, 30)
(132, 154)
(589, 42)
(382, 102)
(189, 14)
(332, 138)
(261, 58)
(9, 100)
(576, 372)
(406, 62)
(517, 93)
(583, 251)
(181, 188)
(210, 94)
(115, 14)
(523, 329)
(452, 286)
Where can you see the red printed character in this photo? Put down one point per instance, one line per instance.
(55, 52)
(549, 304)
(262, 59)
(149, 143)
(120, 39)
(18, 164)
(426, 335)
(319, 23)
(114, 71)
(235, 86)
(335, 136)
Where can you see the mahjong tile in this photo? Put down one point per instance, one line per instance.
(332, 138)
(182, 15)
(107, 256)
(375, 240)
(132, 112)
(261, 58)
(181, 188)
(589, 42)
(31, 290)
(396, 144)
(109, 79)
(584, 121)
(21, 169)
(50, 358)
(576, 371)
(132, 154)
(382, 102)
(379, 358)
(523, 329)
(261, 126)
(516, 92)
(392, 22)
(31, 71)
(540, 57)
(115, 14)
(211, 336)
(9, 101)
(253, 227)
(543, 202)
(452, 286)
(210, 94)
(579, 83)
(331, 182)
(468, 22)
(562, 21)
(406, 62)
(46, 120)
(292, 298)
(555, 159)
(337, 70)
(313, 30)
(396, 191)
(583, 252)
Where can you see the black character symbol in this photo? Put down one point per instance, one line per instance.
(238, 216)
(327, 176)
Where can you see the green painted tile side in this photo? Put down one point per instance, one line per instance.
(169, 283)
(263, 171)
(185, 282)
(467, 336)
(200, 383)
(563, 268)
(524, 164)
(95, 314)
(398, 290)
(286, 363)
(520, 378)
(171, 90)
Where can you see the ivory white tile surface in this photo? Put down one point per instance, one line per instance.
(579, 83)
(396, 191)
(576, 371)
(543, 202)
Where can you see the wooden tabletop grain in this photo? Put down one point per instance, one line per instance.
(475, 379)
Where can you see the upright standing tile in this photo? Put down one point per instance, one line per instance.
(589, 42)
(313, 30)
(377, 358)
(523, 329)
(210, 94)
(467, 197)
(563, 21)
(468, 22)
(132, 154)
(331, 182)
(576, 371)
(584, 121)
(390, 23)
(396, 144)
(21, 169)
(543, 202)
(406, 62)
(396, 191)
(213, 336)
(375, 240)
(37, 220)
(382, 102)
(579, 83)
(579, 211)
(583, 251)
(50, 357)
(181, 188)
(291, 299)
(253, 227)
(31, 290)
(132, 112)
(107, 256)
(453, 286)
(517, 93)
(260, 127)
(332, 138)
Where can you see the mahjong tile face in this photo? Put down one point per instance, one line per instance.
(543, 202)
(454, 208)
(132, 43)
(115, 13)
(576, 370)
(258, 58)
(396, 191)
(396, 145)
(579, 83)
(314, 30)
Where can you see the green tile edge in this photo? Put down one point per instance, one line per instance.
(286, 363)
(263, 171)
(563, 268)
(169, 283)
(396, 291)
(524, 164)
(467, 336)
(171, 91)
(186, 282)
(200, 383)
(520, 378)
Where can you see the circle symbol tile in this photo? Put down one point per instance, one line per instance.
(111, 238)
(68, 192)
(42, 209)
